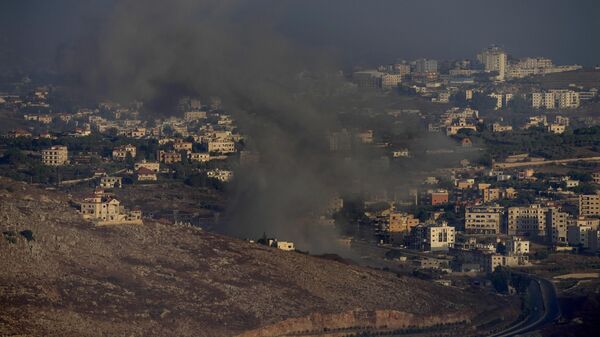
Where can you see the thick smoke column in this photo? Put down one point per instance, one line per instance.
(160, 50)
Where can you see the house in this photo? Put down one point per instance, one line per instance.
(144, 174)
(111, 182)
(106, 210)
(401, 222)
(169, 157)
(439, 197)
(202, 157)
(180, 145)
(121, 152)
(152, 166)
(55, 156)
(221, 146)
(221, 175)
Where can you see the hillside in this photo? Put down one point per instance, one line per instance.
(69, 278)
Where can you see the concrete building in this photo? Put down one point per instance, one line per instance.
(55, 156)
(497, 127)
(589, 205)
(169, 157)
(439, 197)
(194, 115)
(390, 80)
(202, 157)
(152, 166)
(401, 222)
(440, 237)
(527, 221)
(106, 210)
(121, 152)
(554, 99)
(221, 175)
(596, 177)
(111, 182)
(556, 225)
(484, 219)
(517, 246)
(494, 59)
(580, 235)
(144, 174)
(221, 146)
(423, 66)
(181, 145)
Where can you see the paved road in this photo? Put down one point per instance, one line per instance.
(545, 309)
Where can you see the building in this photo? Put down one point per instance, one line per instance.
(180, 145)
(596, 177)
(121, 152)
(106, 210)
(557, 128)
(144, 174)
(440, 237)
(423, 66)
(202, 157)
(221, 175)
(527, 221)
(221, 146)
(517, 246)
(580, 235)
(401, 222)
(589, 205)
(484, 219)
(190, 116)
(55, 156)
(494, 59)
(554, 99)
(556, 225)
(169, 157)
(285, 245)
(152, 166)
(390, 80)
(493, 194)
(439, 197)
(111, 182)
(497, 127)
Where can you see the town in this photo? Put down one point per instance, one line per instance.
(488, 164)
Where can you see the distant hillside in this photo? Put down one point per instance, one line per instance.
(60, 276)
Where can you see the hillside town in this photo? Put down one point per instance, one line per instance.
(496, 164)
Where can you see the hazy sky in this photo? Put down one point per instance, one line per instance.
(362, 31)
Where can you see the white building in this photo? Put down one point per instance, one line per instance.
(440, 237)
(517, 246)
(494, 59)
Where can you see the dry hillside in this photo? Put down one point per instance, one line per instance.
(69, 278)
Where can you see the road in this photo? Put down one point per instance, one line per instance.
(545, 308)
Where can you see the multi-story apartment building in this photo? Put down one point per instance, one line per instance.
(556, 226)
(527, 221)
(55, 156)
(440, 237)
(493, 194)
(589, 205)
(484, 219)
(423, 66)
(401, 222)
(494, 59)
(553, 99)
(517, 246)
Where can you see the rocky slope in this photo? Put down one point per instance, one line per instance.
(61, 276)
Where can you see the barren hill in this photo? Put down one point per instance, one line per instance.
(61, 276)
